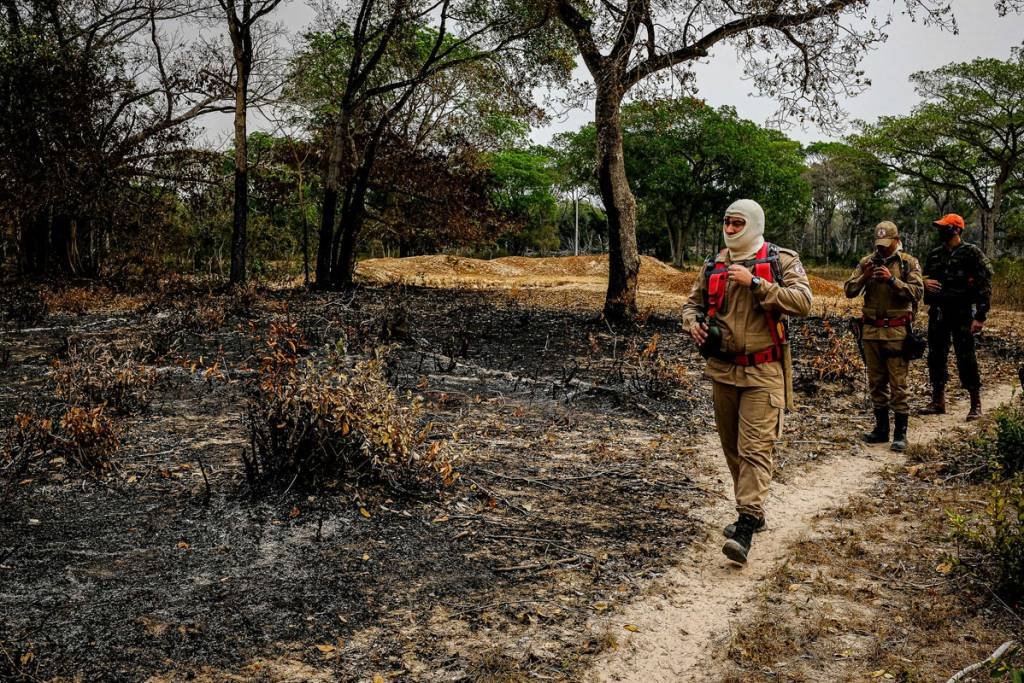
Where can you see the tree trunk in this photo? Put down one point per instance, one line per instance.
(623, 258)
(989, 218)
(305, 234)
(329, 206)
(64, 241)
(352, 218)
(35, 242)
(671, 237)
(239, 227)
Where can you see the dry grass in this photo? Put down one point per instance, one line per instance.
(872, 597)
(571, 282)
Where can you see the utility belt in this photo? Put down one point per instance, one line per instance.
(901, 321)
(768, 355)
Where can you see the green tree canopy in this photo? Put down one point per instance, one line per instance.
(687, 161)
(966, 135)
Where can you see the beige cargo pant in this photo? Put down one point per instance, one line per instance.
(887, 374)
(749, 420)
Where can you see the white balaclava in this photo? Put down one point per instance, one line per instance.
(744, 245)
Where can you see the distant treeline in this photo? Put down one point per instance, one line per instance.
(400, 134)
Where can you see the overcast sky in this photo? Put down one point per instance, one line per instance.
(911, 47)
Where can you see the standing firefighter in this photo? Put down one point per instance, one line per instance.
(958, 290)
(736, 315)
(892, 285)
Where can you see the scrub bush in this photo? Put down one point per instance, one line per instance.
(314, 424)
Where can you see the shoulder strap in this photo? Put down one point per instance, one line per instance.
(715, 275)
(904, 269)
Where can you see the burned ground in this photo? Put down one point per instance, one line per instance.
(575, 487)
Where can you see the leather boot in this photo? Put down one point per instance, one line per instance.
(881, 431)
(975, 411)
(730, 529)
(938, 404)
(737, 547)
(899, 433)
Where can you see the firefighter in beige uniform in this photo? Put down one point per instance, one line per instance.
(745, 293)
(892, 284)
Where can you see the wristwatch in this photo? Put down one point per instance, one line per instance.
(755, 283)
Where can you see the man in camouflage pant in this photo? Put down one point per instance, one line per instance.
(892, 285)
(958, 290)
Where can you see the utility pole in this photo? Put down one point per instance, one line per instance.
(576, 202)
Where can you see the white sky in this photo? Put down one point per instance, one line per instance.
(911, 47)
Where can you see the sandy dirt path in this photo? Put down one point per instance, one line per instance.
(692, 607)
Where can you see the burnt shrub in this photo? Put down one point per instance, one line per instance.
(650, 374)
(95, 376)
(84, 439)
(26, 443)
(316, 423)
(831, 354)
(75, 300)
(88, 437)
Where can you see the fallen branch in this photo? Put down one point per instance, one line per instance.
(538, 482)
(992, 659)
(536, 565)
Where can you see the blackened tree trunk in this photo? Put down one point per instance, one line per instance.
(620, 206)
(64, 243)
(35, 243)
(353, 217)
(240, 30)
(240, 215)
(329, 207)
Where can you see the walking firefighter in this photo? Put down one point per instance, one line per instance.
(736, 313)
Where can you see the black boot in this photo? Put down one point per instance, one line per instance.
(881, 432)
(730, 530)
(975, 411)
(938, 404)
(899, 433)
(737, 547)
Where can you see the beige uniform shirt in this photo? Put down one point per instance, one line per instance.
(884, 300)
(743, 321)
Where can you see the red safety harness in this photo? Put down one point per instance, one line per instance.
(901, 321)
(765, 266)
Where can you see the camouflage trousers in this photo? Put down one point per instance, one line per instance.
(887, 374)
(942, 329)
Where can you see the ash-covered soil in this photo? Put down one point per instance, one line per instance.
(576, 486)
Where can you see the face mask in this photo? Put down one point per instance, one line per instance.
(744, 245)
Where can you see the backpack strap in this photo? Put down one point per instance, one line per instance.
(717, 275)
(765, 265)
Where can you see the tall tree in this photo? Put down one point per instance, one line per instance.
(800, 51)
(95, 107)
(967, 135)
(686, 161)
(242, 16)
(846, 183)
(382, 53)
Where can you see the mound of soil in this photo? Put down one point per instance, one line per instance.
(579, 272)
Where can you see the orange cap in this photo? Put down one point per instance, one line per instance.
(951, 220)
